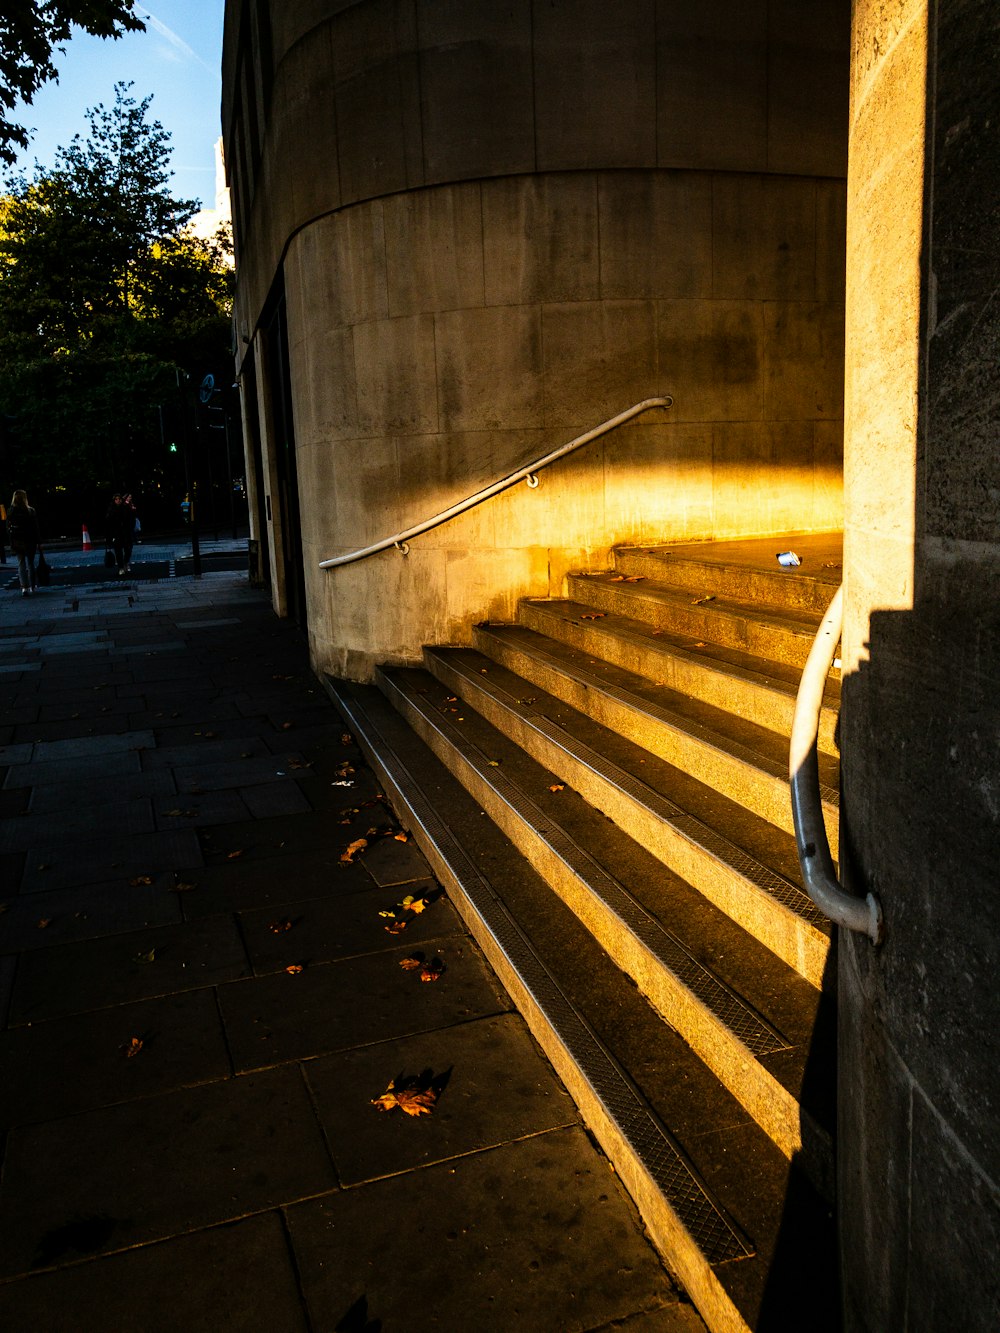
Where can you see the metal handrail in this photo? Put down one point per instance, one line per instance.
(819, 875)
(526, 473)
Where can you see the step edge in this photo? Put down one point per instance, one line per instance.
(634, 707)
(773, 1106)
(671, 1233)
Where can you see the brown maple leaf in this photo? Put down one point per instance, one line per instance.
(432, 971)
(410, 964)
(293, 969)
(133, 1048)
(138, 881)
(279, 927)
(408, 1096)
(352, 849)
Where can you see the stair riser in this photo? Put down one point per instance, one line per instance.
(793, 940)
(750, 700)
(780, 588)
(667, 1230)
(771, 1105)
(763, 793)
(710, 622)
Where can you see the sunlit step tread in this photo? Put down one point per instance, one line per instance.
(772, 908)
(756, 690)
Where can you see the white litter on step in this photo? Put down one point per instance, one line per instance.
(789, 559)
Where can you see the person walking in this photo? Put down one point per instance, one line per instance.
(119, 524)
(24, 535)
(132, 525)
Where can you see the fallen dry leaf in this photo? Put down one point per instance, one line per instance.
(401, 837)
(352, 849)
(410, 964)
(558, 786)
(133, 1048)
(279, 927)
(408, 1096)
(137, 882)
(287, 726)
(617, 578)
(700, 601)
(346, 738)
(594, 615)
(232, 856)
(636, 578)
(44, 921)
(432, 971)
(146, 957)
(182, 887)
(293, 969)
(396, 927)
(415, 905)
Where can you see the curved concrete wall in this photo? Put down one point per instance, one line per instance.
(498, 225)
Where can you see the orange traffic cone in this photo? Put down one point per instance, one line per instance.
(86, 539)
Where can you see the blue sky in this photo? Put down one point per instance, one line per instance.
(177, 59)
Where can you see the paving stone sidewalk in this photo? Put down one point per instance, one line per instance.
(200, 1001)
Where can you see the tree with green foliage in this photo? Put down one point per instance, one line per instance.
(29, 32)
(107, 303)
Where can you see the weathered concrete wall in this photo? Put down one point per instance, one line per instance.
(498, 225)
(919, 1184)
(443, 338)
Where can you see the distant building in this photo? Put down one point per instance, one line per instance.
(207, 221)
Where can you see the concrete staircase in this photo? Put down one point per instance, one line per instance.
(602, 788)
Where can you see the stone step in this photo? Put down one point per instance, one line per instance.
(746, 571)
(746, 1015)
(772, 633)
(758, 691)
(742, 1228)
(639, 793)
(743, 762)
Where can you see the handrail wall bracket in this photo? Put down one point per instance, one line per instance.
(819, 875)
(529, 473)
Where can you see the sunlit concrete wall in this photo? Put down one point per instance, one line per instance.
(499, 225)
(919, 1155)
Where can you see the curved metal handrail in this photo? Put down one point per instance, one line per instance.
(526, 473)
(818, 873)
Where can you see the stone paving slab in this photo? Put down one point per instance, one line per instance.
(201, 750)
(490, 1085)
(180, 1161)
(58, 797)
(273, 882)
(86, 913)
(271, 800)
(243, 732)
(85, 728)
(237, 1276)
(119, 819)
(241, 772)
(391, 862)
(518, 1239)
(63, 865)
(211, 808)
(14, 802)
(336, 927)
(92, 747)
(333, 1006)
(24, 773)
(120, 969)
(15, 754)
(63, 1068)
